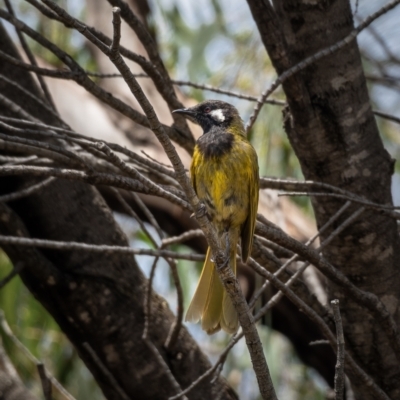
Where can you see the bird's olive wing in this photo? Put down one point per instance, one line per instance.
(193, 171)
(247, 231)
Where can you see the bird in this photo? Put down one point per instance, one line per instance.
(224, 174)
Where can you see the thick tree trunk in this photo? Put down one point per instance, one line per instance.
(96, 299)
(332, 129)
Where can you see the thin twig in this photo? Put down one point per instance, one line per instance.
(308, 243)
(165, 367)
(7, 330)
(61, 245)
(32, 96)
(154, 160)
(43, 145)
(210, 371)
(319, 342)
(46, 383)
(175, 329)
(173, 333)
(184, 237)
(349, 390)
(226, 92)
(339, 368)
(21, 160)
(353, 199)
(14, 107)
(147, 300)
(32, 60)
(105, 371)
(134, 173)
(27, 191)
(71, 135)
(95, 178)
(149, 215)
(304, 188)
(387, 116)
(14, 272)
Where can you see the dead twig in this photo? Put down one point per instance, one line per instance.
(340, 354)
(61, 245)
(14, 272)
(7, 330)
(107, 374)
(46, 383)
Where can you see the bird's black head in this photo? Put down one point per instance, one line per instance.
(212, 113)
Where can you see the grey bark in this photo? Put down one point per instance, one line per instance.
(331, 127)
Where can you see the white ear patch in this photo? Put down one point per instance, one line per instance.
(218, 115)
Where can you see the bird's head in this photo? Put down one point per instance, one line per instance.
(214, 113)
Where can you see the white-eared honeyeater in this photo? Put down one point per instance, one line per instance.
(224, 173)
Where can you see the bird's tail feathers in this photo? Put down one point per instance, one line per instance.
(211, 303)
(198, 303)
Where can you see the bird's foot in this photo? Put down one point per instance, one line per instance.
(223, 260)
(201, 211)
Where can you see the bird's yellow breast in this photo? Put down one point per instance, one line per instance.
(222, 182)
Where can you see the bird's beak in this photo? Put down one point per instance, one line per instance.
(185, 111)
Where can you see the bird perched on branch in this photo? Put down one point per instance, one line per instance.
(224, 175)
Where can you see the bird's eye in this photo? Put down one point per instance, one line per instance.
(207, 110)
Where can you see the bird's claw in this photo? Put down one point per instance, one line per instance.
(201, 211)
(223, 260)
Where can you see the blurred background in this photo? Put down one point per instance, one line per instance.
(213, 42)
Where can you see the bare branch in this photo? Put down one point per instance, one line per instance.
(296, 256)
(59, 245)
(366, 203)
(32, 60)
(7, 330)
(78, 138)
(46, 383)
(165, 367)
(387, 116)
(95, 178)
(340, 354)
(147, 301)
(15, 271)
(156, 189)
(33, 97)
(107, 374)
(173, 334)
(145, 210)
(43, 145)
(183, 238)
(367, 299)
